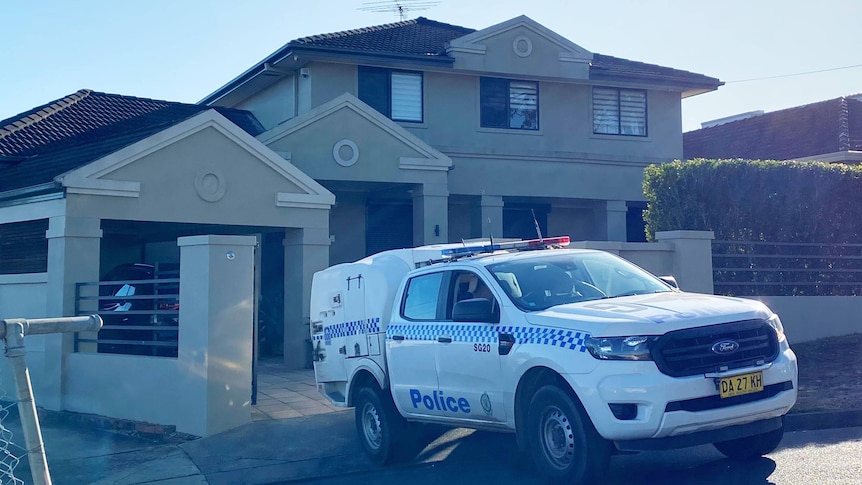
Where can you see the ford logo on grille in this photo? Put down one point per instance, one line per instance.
(724, 347)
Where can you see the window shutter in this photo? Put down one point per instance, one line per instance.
(374, 88)
(406, 96)
(605, 112)
(23, 247)
(494, 100)
(633, 112)
(523, 105)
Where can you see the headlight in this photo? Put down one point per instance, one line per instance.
(775, 323)
(620, 348)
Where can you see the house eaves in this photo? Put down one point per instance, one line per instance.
(292, 57)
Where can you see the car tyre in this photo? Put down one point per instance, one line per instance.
(562, 440)
(751, 446)
(386, 437)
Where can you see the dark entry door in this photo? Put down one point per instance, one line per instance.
(388, 226)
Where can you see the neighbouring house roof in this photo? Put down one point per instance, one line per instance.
(814, 129)
(47, 141)
(422, 39)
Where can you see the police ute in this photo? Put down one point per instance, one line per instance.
(579, 353)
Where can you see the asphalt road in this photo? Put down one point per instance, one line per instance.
(822, 457)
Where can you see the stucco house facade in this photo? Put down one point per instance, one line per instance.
(428, 132)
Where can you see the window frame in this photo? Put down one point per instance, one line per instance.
(371, 70)
(441, 297)
(484, 122)
(619, 130)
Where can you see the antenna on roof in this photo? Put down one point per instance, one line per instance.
(398, 7)
(536, 222)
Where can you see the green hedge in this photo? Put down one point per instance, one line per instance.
(745, 200)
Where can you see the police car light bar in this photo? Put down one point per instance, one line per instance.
(489, 248)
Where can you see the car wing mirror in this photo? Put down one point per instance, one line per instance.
(473, 310)
(670, 280)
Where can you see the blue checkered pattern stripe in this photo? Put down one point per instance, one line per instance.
(346, 329)
(555, 337)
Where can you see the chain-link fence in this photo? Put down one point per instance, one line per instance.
(10, 454)
(19, 392)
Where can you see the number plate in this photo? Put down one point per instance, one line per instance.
(741, 384)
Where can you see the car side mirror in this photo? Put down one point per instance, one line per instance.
(473, 310)
(670, 280)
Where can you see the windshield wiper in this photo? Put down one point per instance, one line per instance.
(633, 293)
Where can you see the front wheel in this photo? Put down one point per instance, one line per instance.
(563, 442)
(751, 446)
(382, 431)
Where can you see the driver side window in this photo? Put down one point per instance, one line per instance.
(466, 285)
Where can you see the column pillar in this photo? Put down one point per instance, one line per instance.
(692, 259)
(305, 252)
(216, 332)
(491, 216)
(430, 214)
(73, 257)
(615, 218)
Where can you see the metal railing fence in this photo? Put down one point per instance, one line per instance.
(141, 317)
(758, 268)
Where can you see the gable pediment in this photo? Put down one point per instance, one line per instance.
(345, 139)
(520, 46)
(200, 160)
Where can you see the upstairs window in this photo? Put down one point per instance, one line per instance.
(619, 112)
(396, 94)
(509, 104)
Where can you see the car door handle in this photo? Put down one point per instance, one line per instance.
(506, 342)
(445, 339)
(398, 337)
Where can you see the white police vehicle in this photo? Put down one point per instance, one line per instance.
(578, 352)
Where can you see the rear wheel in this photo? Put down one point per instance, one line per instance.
(384, 434)
(563, 442)
(751, 446)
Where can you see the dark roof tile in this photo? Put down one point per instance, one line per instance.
(424, 37)
(802, 131)
(418, 37)
(40, 144)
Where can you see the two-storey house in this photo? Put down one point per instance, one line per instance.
(428, 132)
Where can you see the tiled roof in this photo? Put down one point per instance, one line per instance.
(419, 37)
(424, 37)
(814, 129)
(52, 139)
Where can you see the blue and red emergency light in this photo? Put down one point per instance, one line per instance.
(504, 246)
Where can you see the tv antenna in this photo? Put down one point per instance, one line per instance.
(398, 7)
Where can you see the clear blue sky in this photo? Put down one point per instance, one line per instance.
(181, 50)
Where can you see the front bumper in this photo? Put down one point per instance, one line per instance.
(675, 406)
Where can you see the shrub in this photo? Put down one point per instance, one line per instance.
(753, 200)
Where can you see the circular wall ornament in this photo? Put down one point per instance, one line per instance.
(345, 152)
(522, 46)
(210, 185)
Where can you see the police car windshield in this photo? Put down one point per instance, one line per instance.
(550, 279)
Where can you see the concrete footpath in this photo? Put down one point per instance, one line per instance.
(269, 451)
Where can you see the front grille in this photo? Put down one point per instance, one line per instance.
(689, 352)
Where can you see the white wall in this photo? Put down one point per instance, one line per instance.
(24, 296)
(123, 386)
(812, 317)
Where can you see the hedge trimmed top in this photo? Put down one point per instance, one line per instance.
(754, 200)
